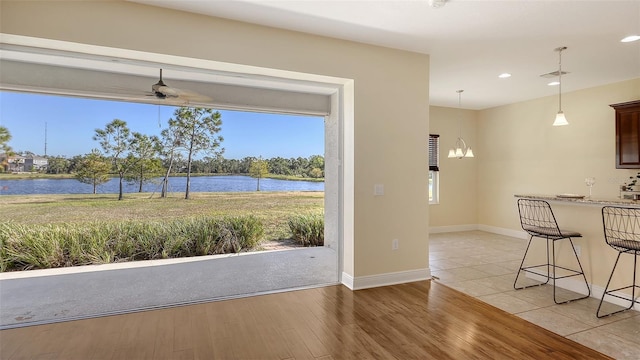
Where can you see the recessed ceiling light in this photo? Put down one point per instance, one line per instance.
(504, 75)
(631, 38)
(554, 83)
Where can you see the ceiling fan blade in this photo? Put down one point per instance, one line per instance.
(167, 91)
(162, 91)
(192, 96)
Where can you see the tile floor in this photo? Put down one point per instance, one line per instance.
(484, 265)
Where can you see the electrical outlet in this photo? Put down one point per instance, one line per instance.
(578, 249)
(394, 244)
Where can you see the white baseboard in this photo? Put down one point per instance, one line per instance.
(577, 286)
(452, 228)
(597, 291)
(370, 281)
(573, 285)
(347, 280)
(519, 234)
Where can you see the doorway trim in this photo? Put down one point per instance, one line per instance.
(339, 123)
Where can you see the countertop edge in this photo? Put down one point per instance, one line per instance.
(582, 201)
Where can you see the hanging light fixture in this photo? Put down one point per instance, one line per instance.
(560, 119)
(460, 150)
(437, 3)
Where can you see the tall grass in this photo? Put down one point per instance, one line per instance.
(272, 208)
(308, 230)
(35, 249)
(24, 247)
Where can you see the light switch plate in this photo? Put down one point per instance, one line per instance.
(378, 190)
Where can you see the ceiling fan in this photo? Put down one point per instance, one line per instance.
(164, 91)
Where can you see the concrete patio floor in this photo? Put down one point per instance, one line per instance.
(43, 296)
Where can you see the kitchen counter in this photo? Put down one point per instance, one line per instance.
(597, 258)
(583, 201)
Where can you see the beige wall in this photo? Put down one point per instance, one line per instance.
(391, 102)
(458, 177)
(519, 152)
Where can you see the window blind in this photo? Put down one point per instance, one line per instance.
(434, 145)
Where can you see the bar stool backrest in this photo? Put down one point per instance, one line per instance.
(537, 219)
(622, 228)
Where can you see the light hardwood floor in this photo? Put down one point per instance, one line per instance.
(484, 265)
(421, 320)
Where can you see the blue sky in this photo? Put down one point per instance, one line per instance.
(71, 124)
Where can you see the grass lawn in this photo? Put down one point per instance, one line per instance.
(29, 175)
(273, 208)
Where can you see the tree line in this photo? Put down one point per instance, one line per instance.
(138, 158)
(311, 167)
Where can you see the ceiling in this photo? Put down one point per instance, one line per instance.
(470, 42)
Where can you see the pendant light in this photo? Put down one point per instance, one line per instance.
(560, 119)
(460, 149)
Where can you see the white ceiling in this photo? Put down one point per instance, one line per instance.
(470, 42)
(43, 66)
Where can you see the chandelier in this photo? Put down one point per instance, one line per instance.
(460, 149)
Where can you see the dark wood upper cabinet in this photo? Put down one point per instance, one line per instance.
(627, 135)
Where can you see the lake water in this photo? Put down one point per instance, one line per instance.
(176, 184)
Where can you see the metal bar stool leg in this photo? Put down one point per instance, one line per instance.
(553, 261)
(622, 233)
(584, 277)
(550, 265)
(520, 269)
(555, 299)
(606, 291)
(537, 219)
(633, 288)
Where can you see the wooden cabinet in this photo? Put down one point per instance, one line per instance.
(627, 135)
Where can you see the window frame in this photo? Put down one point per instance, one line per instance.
(433, 183)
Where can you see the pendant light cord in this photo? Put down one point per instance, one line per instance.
(560, 79)
(559, 50)
(459, 117)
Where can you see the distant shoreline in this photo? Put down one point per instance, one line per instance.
(32, 176)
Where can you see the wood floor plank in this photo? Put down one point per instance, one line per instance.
(109, 333)
(408, 321)
(78, 342)
(39, 344)
(186, 354)
(182, 328)
(136, 339)
(275, 348)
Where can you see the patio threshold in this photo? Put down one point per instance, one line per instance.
(64, 294)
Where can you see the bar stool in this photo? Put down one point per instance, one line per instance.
(537, 219)
(621, 232)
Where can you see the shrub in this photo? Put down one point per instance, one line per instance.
(83, 245)
(239, 233)
(24, 247)
(308, 230)
(33, 248)
(204, 235)
(5, 261)
(117, 240)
